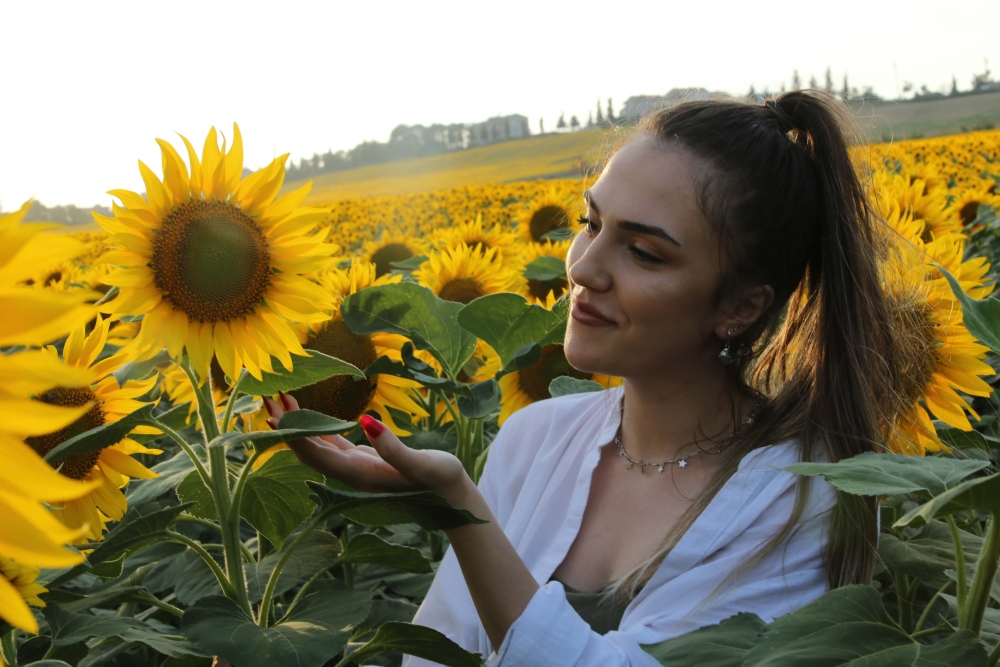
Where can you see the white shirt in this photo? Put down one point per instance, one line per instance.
(537, 482)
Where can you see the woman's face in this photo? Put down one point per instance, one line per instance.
(645, 270)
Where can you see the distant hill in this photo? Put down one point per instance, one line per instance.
(567, 155)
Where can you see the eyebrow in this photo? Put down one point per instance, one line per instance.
(630, 226)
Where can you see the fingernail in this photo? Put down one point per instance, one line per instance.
(267, 406)
(273, 424)
(284, 400)
(373, 427)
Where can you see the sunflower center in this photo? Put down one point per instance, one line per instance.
(912, 318)
(969, 212)
(462, 290)
(342, 396)
(387, 254)
(210, 259)
(540, 288)
(75, 466)
(534, 380)
(53, 277)
(546, 219)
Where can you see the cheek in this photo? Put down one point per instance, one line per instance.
(668, 311)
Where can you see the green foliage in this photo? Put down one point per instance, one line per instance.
(545, 268)
(306, 371)
(100, 437)
(276, 499)
(424, 508)
(370, 548)
(415, 640)
(415, 312)
(564, 385)
(514, 328)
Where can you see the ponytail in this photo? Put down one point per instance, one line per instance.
(792, 212)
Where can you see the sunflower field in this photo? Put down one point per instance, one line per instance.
(151, 515)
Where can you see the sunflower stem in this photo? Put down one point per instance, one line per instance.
(205, 401)
(272, 581)
(230, 525)
(234, 393)
(930, 604)
(176, 437)
(241, 483)
(227, 587)
(982, 582)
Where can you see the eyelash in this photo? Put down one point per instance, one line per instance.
(641, 256)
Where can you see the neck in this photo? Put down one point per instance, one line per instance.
(664, 417)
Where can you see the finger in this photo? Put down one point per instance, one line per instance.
(273, 408)
(288, 401)
(389, 447)
(339, 441)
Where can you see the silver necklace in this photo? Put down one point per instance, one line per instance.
(681, 462)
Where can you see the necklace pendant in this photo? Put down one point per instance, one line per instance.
(682, 463)
(621, 452)
(628, 465)
(659, 468)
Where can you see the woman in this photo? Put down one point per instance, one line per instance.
(728, 272)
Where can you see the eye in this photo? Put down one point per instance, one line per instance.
(590, 226)
(644, 256)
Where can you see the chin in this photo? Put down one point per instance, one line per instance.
(589, 356)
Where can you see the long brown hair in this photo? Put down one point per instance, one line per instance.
(791, 210)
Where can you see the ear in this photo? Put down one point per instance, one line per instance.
(743, 311)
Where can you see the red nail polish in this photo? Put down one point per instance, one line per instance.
(284, 400)
(267, 406)
(372, 426)
(273, 424)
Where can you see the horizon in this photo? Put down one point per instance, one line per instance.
(301, 87)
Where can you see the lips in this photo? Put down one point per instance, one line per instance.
(585, 313)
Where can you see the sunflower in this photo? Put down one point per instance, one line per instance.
(941, 358)
(544, 292)
(17, 587)
(105, 402)
(463, 273)
(214, 261)
(528, 385)
(922, 203)
(390, 248)
(965, 205)
(344, 396)
(553, 210)
(475, 236)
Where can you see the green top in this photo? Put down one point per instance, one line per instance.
(602, 618)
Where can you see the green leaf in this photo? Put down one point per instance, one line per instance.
(509, 323)
(558, 234)
(482, 400)
(849, 626)
(276, 499)
(721, 645)
(140, 369)
(981, 493)
(100, 437)
(383, 611)
(564, 385)
(307, 370)
(193, 490)
(419, 641)
(109, 569)
(141, 525)
(246, 405)
(872, 474)
(48, 663)
(171, 472)
(981, 318)
(415, 312)
(424, 508)
(411, 264)
(316, 630)
(293, 425)
(958, 439)
(370, 548)
(69, 628)
(316, 552)
(929, 554)
(545, 268)
(187, 574)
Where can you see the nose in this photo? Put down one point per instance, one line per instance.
(586, 265)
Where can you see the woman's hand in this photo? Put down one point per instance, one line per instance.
(387, 466)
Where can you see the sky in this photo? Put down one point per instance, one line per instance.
(86, 87)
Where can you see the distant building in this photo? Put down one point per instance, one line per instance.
(638, 106)
(497, 129)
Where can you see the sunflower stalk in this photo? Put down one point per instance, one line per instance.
(224, 583)
(982, 582)
(272, 581)
(961, 585)
(206, 404)
(230, 524)
(234, 394)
